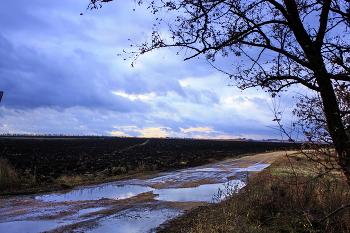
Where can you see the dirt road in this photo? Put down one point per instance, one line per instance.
(135, 205)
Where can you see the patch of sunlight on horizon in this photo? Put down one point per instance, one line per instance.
(192, 132)
(154, 132)
(119, 133)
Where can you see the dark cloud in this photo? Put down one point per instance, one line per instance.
(15, 16)
(33, 79)
(62, 72)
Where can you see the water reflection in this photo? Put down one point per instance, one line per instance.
(89, 210)
(204, 193)
(122, 191)
(129, 217)
(110, 191)
(28, 226)
(201, 193)
(135, 221)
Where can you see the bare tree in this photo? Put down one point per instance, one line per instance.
(311, 115)
(287, 42)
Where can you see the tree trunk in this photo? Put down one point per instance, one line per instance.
(334, 122)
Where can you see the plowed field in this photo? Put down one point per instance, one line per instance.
(51, 157)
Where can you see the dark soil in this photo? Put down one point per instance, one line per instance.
(51, 157)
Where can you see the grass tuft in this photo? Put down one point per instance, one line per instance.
(71, 180)
(8, 175)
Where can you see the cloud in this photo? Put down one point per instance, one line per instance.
(33, 80)
(62, 72)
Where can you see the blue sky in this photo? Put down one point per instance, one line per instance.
(66, 73)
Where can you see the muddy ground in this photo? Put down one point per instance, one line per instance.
(116, 213)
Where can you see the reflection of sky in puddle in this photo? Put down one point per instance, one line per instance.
(89, 210)
(32, 212)
(29, 226)
(96, 193)
(131, 220)
(227, 168)
(204, 192)
(255, 168)
(112, 191)
(135, 221)
(218, 173)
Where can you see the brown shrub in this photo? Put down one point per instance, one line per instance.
(8, 175)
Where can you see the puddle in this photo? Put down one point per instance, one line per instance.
(218, 173)
(201, 193)
(135, 221)
(89, 211)
(110, 191)
(29, 226)
(204, 193)
(254, 168)
(86, 209)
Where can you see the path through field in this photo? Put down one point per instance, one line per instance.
(135, 205)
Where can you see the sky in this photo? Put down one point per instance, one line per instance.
(66, 73)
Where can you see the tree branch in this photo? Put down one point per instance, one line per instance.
(297, 79)
(323, 23)
(334, 212)
(341, 77)
(297, 26)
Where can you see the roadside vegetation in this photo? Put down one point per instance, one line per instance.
(8, 175)
(297, 193)
(13, 183)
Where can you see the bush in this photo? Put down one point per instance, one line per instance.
(8, 175)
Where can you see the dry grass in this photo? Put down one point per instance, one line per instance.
(292, 195)
(10, 180)
(71, 180)
(13, 184)
(8, 175)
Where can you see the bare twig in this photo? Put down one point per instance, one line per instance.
(335, 211)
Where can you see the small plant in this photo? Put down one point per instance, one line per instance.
(8, 175)
(29, 179)
(119, 170)
(230, 188)
(69, 180)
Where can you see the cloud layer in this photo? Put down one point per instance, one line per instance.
(66, 73)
